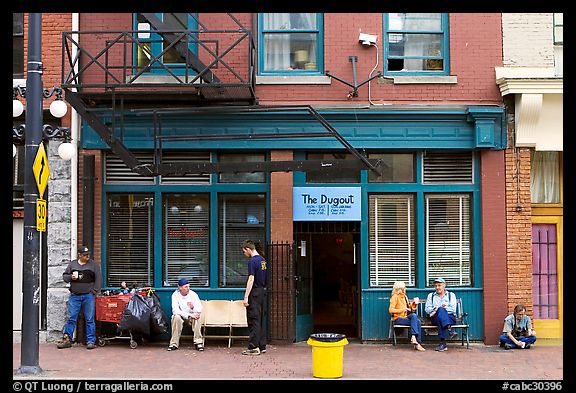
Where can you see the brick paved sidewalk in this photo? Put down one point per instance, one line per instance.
(151, 361)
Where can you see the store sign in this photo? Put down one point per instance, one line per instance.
(326, 204)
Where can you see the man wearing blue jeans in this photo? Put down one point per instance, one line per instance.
(517, 331)
(441, 306)
(85, 280)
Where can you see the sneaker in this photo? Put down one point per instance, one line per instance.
(172, 348)
(442, 347)
(502, 343)
(65, 343)
(200, 347)
(527, 346)
(262, 350)
(253, 352)
(507, 346)
(90, 346)
(452, 333)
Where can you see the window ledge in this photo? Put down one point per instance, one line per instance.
(160, 79)
(404, 80)
(292, 80)
(18, 82)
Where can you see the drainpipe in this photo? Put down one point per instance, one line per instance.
(75, 131)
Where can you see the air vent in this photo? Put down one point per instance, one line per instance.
(118, 172)
(177, 157)
(447, 167)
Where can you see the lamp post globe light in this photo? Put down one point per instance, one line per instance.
(58, 109)
(31, 135)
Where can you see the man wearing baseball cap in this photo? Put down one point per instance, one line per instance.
(186, 308)
(441, 306)
(85, 280)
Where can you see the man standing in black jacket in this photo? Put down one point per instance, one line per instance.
(85, 280)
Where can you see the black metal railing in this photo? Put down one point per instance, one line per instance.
(281, 291)
(216, 62)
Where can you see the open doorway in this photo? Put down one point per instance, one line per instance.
(334, 264)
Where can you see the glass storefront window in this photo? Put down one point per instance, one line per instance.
(392, 240)
(241, 177)
(397, 168)
(130, 239)
(240, 217)
(186, 234)
(448, 239)
(326, 175)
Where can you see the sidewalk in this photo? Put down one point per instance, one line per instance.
(151, 361)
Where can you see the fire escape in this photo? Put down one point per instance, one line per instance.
(109, 75)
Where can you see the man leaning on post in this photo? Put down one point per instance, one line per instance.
(85, 280)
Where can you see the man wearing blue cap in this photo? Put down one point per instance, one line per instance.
(186, 308)
(441, 306)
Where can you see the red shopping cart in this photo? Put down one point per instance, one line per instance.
(109, 309)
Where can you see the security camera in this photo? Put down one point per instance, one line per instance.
(367, 39)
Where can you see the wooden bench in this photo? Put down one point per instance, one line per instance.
(428, 328)
(225, 315)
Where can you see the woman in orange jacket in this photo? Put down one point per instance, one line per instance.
(404, 313)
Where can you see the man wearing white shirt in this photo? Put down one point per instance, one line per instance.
(186, 308)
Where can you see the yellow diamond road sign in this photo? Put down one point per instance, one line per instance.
(41, 169)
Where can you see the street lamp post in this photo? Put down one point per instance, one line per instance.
(34, 132)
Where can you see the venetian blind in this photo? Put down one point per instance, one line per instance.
(391, 242)
(130, 239)
(186, 238)
(448, 238)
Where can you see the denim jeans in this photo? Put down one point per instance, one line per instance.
(87, 302)
(442, 319)
(415, 325)
(506, 340)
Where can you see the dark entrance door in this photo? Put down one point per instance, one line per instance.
(332, 261)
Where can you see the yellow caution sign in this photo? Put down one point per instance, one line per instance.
(41, 169)
(41, 215)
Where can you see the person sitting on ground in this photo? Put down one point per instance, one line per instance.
(441, 306)
(404, 313)
(517, 331)
(186, 308)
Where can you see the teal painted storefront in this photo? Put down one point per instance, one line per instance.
(388, 130)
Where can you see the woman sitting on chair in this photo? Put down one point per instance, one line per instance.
(404, 313)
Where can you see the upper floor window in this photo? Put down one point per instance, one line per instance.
(290, 44)
(18, 45)
(545, 179)
(157, 51)
(416, 44)
(558, 29)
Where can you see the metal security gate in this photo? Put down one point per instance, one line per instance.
(281, 292)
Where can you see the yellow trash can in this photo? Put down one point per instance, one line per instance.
(327, 354)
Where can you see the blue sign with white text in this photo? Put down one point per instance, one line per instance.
(326, 204)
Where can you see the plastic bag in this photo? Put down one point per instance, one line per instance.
(136, 315)
(158, 320)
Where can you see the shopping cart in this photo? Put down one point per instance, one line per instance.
(109, 309)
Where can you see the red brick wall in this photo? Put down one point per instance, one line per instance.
(53, 25)
(518, 224)
(475, 49)
(281, 229)
(493, 243)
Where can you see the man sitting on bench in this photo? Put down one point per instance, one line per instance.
(441, 306)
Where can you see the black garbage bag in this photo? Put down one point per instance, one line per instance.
(158, 321)
(136, 315)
